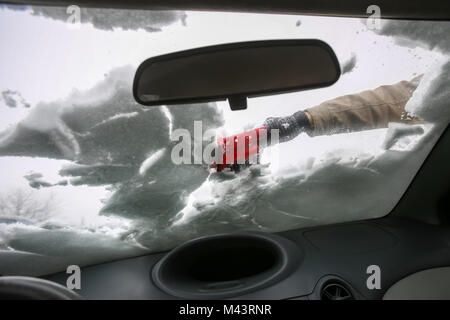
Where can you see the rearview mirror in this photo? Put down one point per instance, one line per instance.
(235, 72)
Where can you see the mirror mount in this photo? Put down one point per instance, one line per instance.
(238, 102)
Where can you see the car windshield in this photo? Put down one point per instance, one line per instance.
(87, 174)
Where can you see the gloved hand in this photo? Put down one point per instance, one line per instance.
(288, 127)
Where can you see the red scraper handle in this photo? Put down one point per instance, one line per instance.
(238, 149)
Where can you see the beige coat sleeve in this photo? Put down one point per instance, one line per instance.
(366, 110)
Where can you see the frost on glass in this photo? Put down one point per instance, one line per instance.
(87, 174)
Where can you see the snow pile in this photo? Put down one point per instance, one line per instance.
(349, 64)
(35, 250)
(150, 161)
(397, 132)
(315, 192)
(110, 19)
(13, 99)
(107, 140)
(431, 102)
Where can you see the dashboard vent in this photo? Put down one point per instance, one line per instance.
(335, 291)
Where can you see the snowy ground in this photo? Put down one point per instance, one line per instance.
(100, 163)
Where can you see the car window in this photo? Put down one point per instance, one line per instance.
(88, 174)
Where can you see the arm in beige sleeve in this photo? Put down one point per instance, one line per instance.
(366, 110)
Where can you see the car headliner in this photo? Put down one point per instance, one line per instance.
(400, 9)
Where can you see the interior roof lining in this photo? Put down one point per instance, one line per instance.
(399, 9)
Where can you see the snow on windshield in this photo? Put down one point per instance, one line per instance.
(87, 174)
